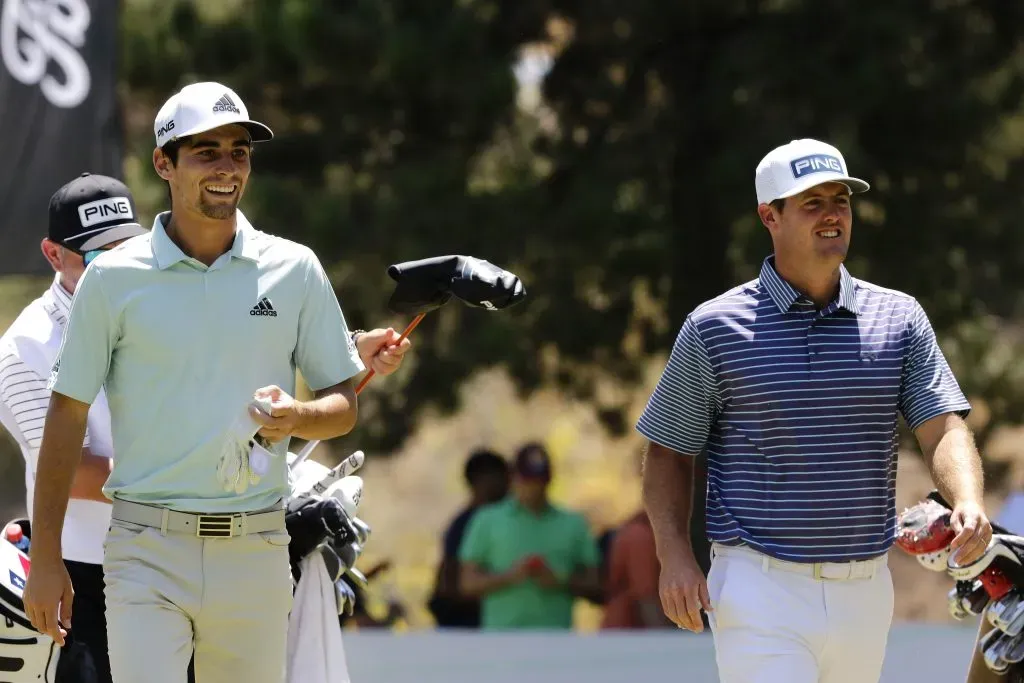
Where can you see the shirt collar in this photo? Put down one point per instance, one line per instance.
(168, 253)
(522, 509)
(61, 298)
(784, 295)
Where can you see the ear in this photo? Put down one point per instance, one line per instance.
(162, 164)
(769, 216)
(51, 252)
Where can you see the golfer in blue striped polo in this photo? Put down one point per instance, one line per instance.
(794, 383)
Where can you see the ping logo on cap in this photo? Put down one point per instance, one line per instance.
(815, 163)
(103, 210)
(164, 130)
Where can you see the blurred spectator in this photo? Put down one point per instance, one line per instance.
(632, 600)
(486, 473)
(526, 558)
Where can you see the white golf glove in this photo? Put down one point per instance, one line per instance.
(243, 461)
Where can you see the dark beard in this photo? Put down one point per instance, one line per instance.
(218, 212)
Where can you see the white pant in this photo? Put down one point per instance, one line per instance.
(774, 625)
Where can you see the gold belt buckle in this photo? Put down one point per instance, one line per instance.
(214, 526)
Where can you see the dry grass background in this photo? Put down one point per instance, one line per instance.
(410, 497)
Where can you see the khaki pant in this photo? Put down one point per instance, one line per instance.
(228, 599)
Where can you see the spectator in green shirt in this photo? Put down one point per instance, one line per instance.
(527, 559)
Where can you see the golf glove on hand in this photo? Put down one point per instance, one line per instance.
(235, 472)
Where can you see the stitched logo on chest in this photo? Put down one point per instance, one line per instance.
(264, 307)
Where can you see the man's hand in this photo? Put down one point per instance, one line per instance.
(48, 593)
(542, 574)
(284, 417)
(683, 591)
(380, 351)
(973, 533)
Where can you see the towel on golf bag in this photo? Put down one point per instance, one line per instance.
(315, 650)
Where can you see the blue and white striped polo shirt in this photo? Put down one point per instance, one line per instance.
(798, 410)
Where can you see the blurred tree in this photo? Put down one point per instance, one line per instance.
(664, 110)
(380, 110)
(624, 197)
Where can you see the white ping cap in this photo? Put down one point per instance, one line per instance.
(201, 107)
(800, 165)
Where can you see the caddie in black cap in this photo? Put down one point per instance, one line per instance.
(88, 215)
(91, 213)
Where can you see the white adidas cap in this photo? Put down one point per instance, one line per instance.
(800, 165)
(204, 106)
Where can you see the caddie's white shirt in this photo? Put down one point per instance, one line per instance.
(27, 351)
(181, 348)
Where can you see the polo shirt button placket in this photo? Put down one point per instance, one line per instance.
(812, 345)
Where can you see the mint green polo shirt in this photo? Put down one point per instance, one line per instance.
(180, 348)
(499, 536)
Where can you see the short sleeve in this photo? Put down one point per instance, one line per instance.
(475, 547)
(927, 387)
(683, 407)
(324, 352)
(587, 553)
(88, 342)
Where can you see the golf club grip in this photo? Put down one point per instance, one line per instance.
(406, 333)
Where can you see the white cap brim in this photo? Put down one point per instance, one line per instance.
(258, 132)
(855, 184)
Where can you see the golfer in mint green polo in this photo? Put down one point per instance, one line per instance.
(527, 559)
(184, 328)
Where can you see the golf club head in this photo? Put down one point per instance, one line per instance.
(1011, 620)
(332, 562)
(1014, 653)
(348, 554)
(1016, 626)
(992, 647)
(345, 597)
(358, 577)
(427, 284)
(363, 530)
(1002, 612)
(957, 609)
(975, 599)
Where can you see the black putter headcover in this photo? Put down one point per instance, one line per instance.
(430, 283)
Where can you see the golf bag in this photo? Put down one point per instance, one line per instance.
(321, 517)
(26, 656)
(992, 586)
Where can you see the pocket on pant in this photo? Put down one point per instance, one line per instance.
(280, 539)
(120, 531)
(718, 577)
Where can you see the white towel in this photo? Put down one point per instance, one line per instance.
(315, 651)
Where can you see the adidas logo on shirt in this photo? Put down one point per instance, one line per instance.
(264, 307)
(225, 103)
